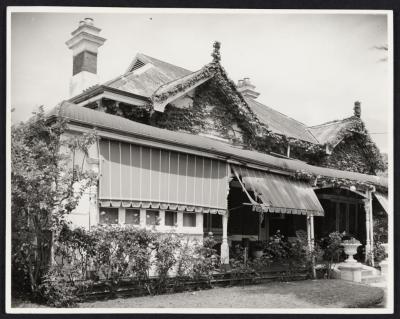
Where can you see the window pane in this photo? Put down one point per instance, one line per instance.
(108, 215)
(152, 217)
(352, 219)
(170, 218)
(216, 221)
(189, 219)
(132, 216)
(342, 218)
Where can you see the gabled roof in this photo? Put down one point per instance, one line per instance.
(162, 82)
(280, 123)
(332, 133)
(146, 74)
(170, 70)
(104, 121)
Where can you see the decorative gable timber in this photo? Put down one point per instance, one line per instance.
(176, 89)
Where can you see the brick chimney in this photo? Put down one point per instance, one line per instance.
(247, 89)
(357, 108)
(84, 44)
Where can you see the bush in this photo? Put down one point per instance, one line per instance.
(57, 289)
(379, 252)
(205, 259)
(277, 248)
(115, 253)
(331, 251)
(166, 248)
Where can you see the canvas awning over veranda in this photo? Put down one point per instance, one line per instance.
(145, 177)
(276, 193)
(383, 200)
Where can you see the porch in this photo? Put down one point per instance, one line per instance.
(347, 210)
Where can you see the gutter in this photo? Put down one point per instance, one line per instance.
(96, 90)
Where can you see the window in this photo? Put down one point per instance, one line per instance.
(152, 217)
(108, 215)
(343, 217)
(170, 218)
(189, 219)
(132, 216)
(216, 221)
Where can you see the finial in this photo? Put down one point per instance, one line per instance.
(216, 55)
(357, 108)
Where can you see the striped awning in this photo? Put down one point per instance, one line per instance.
(277, 193)
(383, 200)
(141, 176)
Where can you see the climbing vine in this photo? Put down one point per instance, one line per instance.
(217, 106)
(136, 113)
(335, 182)
(354, 150)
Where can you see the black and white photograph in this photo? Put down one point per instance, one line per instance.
(199, 161)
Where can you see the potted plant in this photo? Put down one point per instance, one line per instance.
(257, 249)
(350, 249)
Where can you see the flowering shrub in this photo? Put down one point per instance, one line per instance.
(57, 288)
(205, 259)
(165, 258)
(331, 251)
(115, 253)
(379, 251)
(277, 248)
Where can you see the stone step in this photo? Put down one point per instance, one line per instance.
(366, 273)
(372, 279)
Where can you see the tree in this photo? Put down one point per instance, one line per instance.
(46, 185)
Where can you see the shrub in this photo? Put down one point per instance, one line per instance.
(331, 251)
(379, 252)
(166, 248)
(113, 253)
(205, 259)
(57, 288)
(276, 248)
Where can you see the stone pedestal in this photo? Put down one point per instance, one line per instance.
(224, 252)
(351, 271)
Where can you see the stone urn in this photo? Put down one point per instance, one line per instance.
(257, 249)
(350, 249)
(257, 253)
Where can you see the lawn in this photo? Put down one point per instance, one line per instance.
(297, 294)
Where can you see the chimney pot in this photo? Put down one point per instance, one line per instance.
(89, 21)
(247, 89)
(357, 108)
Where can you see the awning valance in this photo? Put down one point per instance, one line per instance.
(140, 176)
(278, 193)
(383, 200)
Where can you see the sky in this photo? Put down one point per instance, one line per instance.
(311, 67)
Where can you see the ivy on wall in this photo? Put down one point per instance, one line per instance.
(217, 107)
(212, 112)
(354, 150)
(335, 182)
(132, 112)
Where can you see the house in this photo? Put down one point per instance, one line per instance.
(196, 153)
